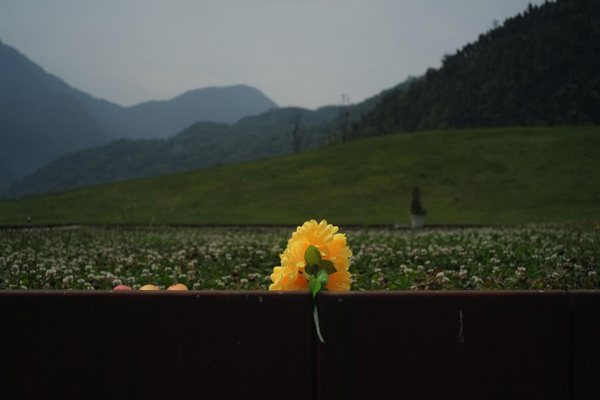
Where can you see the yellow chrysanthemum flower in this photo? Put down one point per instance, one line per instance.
(332, 246)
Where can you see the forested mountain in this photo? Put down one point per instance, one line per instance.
(42, 117)
(541, 67)
(269, 134)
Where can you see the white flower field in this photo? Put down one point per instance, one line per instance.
(540, 257)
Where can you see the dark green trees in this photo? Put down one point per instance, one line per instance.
(538, 68)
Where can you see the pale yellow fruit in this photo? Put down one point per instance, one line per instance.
(149, 287)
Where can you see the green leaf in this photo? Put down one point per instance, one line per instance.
(312, 256)
(327, 266)
(314, 286)
(322, 277)
(311, 270)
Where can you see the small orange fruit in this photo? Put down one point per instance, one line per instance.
(178, 286)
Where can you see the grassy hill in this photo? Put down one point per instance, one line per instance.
(482, 176)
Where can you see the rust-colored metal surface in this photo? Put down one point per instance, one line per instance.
(585, 345)
(169, 345)
(445, 345)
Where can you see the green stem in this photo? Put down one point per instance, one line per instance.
(316, 318)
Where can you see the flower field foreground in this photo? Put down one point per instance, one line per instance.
(531, 257)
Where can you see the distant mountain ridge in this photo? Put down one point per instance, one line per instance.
(42, 117)
(201, 145)
(164, 118)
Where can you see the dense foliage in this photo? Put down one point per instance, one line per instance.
(530, 257)
(539, 68)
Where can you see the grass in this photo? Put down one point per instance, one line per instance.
(486, 176)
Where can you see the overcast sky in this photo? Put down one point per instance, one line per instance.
(297, 52)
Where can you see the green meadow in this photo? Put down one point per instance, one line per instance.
(479, 176)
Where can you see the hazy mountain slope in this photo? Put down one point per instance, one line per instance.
(539, 68)
(38, 122)
(42, 117)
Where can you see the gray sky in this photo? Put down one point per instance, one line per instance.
(299, 53)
